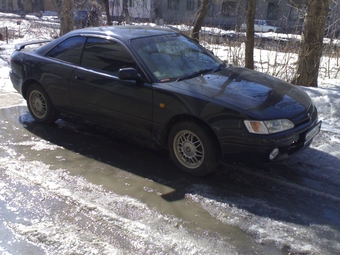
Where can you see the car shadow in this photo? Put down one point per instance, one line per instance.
(290, 191)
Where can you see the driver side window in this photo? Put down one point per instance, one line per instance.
(106, 56)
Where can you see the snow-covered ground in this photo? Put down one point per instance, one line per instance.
(152, 231)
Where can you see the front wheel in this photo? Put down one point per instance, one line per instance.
(40, 105)
(193, 149)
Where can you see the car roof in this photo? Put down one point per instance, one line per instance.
(120, 32)
(127, 32)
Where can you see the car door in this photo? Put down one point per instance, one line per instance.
(99, 95)
(57, 68)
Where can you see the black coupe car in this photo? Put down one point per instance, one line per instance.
(158, 83)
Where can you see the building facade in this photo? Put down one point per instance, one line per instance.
(226, 14)
(27, 6)
(230, 14)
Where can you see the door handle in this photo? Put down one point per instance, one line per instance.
(81, 78)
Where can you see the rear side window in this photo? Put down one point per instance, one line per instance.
(69, 50)
(106, 56)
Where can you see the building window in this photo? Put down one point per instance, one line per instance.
(228, 8)
(173, 4)
(273, 11)
(131, 3)
(190, 5)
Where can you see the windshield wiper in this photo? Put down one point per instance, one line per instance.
(223, 65)
(200, 72)
(194, 74)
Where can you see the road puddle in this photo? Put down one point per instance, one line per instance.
(77, 181)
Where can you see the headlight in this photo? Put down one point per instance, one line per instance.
(268, 126)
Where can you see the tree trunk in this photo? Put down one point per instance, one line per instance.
(107, 11)
(200, 16)
(249, 58)
(57, 4)
(125, 13)
(34, 5)
(159, 13)
(67, 17)
(41, 5)
(312, 43)
(21, 7)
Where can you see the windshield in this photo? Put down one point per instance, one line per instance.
(175, 57)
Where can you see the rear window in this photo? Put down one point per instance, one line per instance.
(69, 50)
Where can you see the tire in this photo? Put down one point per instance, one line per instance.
(40, 105)
(193, 149)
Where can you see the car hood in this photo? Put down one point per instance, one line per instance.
(249, 92)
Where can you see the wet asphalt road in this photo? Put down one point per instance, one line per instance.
(76, 188)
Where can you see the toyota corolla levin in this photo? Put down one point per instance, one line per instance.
(158, 83)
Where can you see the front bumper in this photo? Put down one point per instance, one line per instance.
(260, 149)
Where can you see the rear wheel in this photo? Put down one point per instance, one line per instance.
(193, 149)
(40, 105)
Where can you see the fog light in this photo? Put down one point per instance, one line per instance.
(274, 154)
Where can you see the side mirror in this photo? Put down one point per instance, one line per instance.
(129, 74)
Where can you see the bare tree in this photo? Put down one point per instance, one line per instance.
(35, 5)
(199, 19)
(312, 43)
(67, 17)
(57, 5)
(159, 12)
(21, 7)
(249, 58)
(125, 12)
(107, 11)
